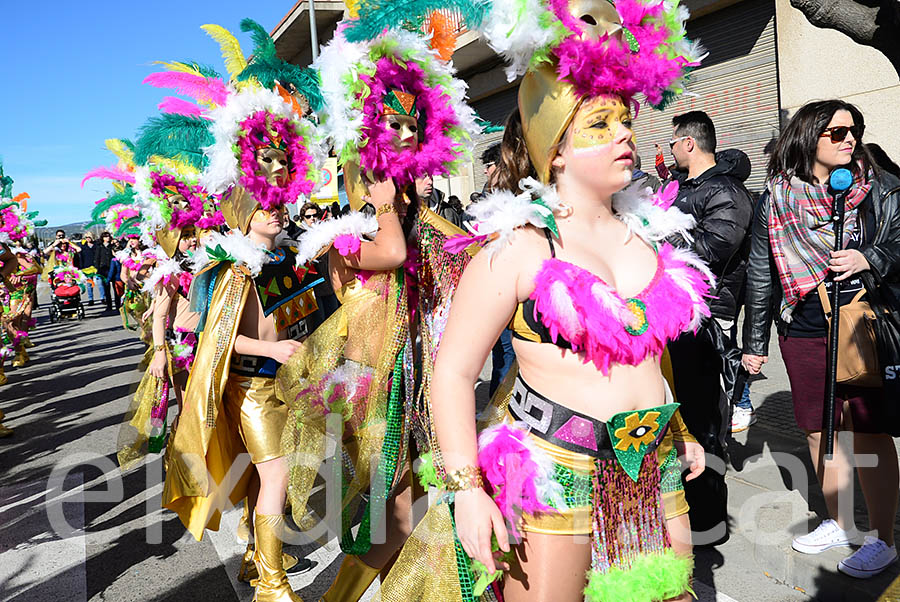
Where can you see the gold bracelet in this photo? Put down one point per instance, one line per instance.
(465, 478)
(386, 208)
(159, 347)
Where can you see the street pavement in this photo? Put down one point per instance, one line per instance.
(74, 527)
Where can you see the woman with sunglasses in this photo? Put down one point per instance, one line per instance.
(792, 258)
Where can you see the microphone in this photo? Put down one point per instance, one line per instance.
(840, 180)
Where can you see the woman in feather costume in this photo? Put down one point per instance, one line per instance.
(583, 437)
(394, 112)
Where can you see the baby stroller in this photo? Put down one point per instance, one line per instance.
(65, 305)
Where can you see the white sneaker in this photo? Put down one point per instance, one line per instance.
(872, 558)
(827, 535)
(741, 419)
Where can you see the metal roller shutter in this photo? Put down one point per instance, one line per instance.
(737, 85)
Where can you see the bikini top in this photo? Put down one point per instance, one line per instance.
(574, 309)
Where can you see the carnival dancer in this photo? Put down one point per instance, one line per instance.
(570, 444)
(255, 307)
(8, 264)
(394, 112)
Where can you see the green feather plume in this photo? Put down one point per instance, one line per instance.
(651, 577)
(377, 15)
(6, 183)
(122, 198)
(267, 69)
(180, 137)
(263, 44)
(129, 226)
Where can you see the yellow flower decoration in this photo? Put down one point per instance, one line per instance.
(637, 431)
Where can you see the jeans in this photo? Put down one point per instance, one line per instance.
(96, 280)
(745, 398)
(502, 356)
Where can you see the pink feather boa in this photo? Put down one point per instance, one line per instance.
(377, 152)
(201, 211)
(9, 223)
(608, 66)
(588, 313)
(300, 161)
(511, 473)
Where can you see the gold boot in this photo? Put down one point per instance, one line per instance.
(5, 431)
(352, 581)
(243, 528)
(3, 379)
(272, 584)
(21, 357)
(248, 572)
(27, 343)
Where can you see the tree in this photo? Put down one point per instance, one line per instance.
(874, 23)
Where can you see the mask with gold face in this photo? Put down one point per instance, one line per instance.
(597, 19)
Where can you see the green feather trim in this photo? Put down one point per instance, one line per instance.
(427, 474)
(129, 226)
(377, 15)
(487, 127)
(124, 198)
(179, 137)
(39, 223)
(651, 577)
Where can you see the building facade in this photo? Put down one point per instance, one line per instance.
(765, 60)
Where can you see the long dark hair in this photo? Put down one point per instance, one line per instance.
(795, 150)
(514, 163)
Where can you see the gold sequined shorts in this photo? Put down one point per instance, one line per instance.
(256, 414)
(574, 473)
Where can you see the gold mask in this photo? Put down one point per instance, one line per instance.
(405, 129)
(273, 165)
(598, 18)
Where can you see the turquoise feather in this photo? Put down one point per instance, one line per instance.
(377, 15)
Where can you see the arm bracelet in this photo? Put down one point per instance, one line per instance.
(386, 208)
(468, 477)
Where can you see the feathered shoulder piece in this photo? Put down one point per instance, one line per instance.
(625, 48)
(253, 119)
(234, 248)
(346, 233)
(497, 216)
(651, 215)
(397, 72)
(166, 271)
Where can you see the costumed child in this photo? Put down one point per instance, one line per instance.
(256, 307)
(394, 113)
(579, 438)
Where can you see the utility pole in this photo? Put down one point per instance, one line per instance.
(313, 34)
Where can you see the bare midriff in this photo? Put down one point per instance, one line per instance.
(563, 377)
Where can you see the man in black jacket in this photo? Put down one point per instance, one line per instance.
(711, 189)
(103, 255)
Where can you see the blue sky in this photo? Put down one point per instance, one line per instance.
(71, 77)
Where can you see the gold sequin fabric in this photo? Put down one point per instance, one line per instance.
(135, 431)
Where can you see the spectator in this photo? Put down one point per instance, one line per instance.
(641, 179)
(435, 200)
(489, 158)
(103, 256)
(711, 190)
(309, 213)
(791, 258)
(87, 263)
(291, 229)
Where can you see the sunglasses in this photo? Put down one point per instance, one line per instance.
(672, 143)
(839, 132)
(310, 216)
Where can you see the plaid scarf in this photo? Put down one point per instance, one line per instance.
(801, 233)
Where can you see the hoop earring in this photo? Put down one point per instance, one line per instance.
(565, 210)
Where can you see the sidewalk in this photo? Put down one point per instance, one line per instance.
(771, 503)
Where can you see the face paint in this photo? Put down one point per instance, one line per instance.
(598, 18)
(405, 129)
(272, 165)
(596, 124)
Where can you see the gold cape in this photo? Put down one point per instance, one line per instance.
(204, 447)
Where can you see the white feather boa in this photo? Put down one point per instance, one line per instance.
(515, 30)
(238, 247)
(321, 235)
(161, 271)
(224, 169)
(499, 214)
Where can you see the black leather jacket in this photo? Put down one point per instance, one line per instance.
(723, 209)
(764, 287)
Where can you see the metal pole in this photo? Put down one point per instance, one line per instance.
(313, 33)
(837, 216)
